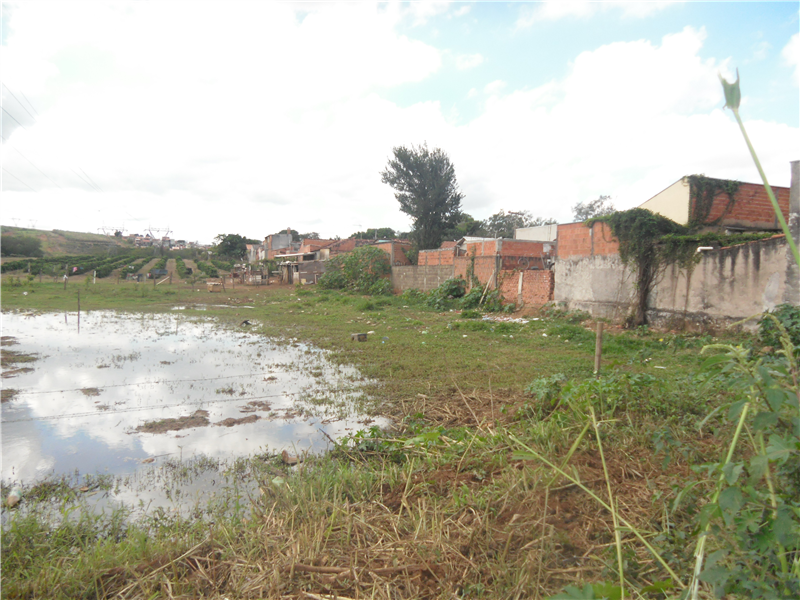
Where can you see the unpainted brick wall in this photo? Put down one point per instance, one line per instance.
(438, 256)
(576, 240)
(537, 287)
(752, 208)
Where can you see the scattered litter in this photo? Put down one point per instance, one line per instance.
(465, 335)
(289, 459)
(370, 332)
(657, 367)
(14, 497)
(544, 335)
(358, 337)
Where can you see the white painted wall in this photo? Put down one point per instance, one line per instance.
(672, 202)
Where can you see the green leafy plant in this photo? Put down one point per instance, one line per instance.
(361, 270)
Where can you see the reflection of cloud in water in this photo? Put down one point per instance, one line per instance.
(153, 367)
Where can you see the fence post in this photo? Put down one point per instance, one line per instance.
(598, 348)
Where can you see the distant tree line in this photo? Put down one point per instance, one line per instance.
(20, 245)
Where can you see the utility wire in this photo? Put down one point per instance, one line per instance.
(18, 179)
(18, 102)
(29, 102)
(12, 117)
(91, 180)
(83, 179)
(38, 169)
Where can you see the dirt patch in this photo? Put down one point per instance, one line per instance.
(8, 358)
(456, 408)
(255, 405)
(197, 419)
(8, 340)
(91, 391)
(231, 422)
(8, 394)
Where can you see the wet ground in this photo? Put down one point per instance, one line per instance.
(131, 391)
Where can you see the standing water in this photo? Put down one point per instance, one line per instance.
(133, 389)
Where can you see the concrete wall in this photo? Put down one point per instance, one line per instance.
(601, 285)
(542, 233)
(727, 285)
(423, 278)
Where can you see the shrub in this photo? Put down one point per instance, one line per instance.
(788, 316)
(361, 270)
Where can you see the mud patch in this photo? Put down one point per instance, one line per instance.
(8, 340)
(8, 394)
(230, 422)
(197, 419)
(11, 357)
(255, 405)
(90, 391)
(15, 372)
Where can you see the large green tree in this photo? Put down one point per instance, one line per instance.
(20, 245)
(232, 245)
(425, 186)
(502, 224)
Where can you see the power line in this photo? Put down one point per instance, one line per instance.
(91, 180)
(20, 180)
(82, 179)
(18, 102)
(38, 169)
(29, 102)
(12, 116)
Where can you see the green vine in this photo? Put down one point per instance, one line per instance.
(650, 242)
(471, 277)
(702, 192)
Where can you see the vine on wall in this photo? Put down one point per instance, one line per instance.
(651, 242)
(702, 192)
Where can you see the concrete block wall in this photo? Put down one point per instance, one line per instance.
(423, 278)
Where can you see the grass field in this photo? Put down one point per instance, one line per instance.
(494, 483)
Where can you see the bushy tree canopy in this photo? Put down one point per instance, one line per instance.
(503, 224)
(593, 208)
(20, 245)
(425, 186)
(232, 244)
(381, 233)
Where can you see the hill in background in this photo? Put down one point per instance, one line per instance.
(59, 242)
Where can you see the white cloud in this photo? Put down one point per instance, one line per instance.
(259, 116)
(556, 10)
(791, 55)
(469, 61)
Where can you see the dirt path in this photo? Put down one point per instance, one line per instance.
(148, 265)
(190, 264)
(172, 268)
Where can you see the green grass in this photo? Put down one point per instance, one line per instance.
(436, 508)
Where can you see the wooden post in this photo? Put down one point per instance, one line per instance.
(598, 348)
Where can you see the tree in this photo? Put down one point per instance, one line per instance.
(232, 244)
(594, 208)
(467, 225)
(503, 224)
(382, 233)
(20, 245)
(425, 186)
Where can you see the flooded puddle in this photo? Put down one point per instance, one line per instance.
(132, 391)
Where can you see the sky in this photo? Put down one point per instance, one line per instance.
(210, 118)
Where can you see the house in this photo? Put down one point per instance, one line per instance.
(705, 202)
